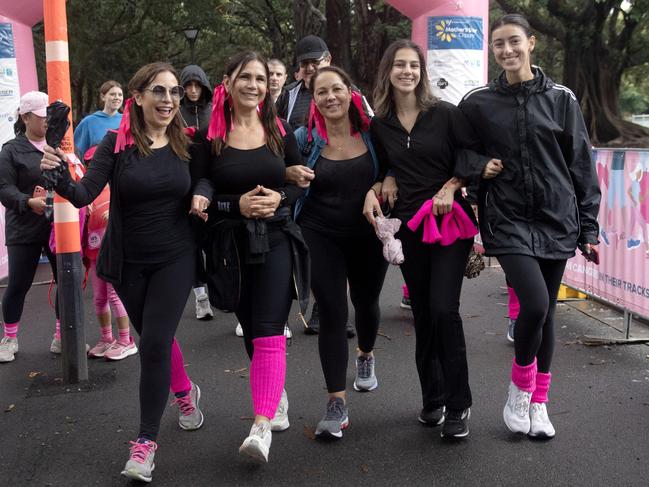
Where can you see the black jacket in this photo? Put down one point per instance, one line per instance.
(547, 197)
(108, 167)
(20, 173)
(196, 114)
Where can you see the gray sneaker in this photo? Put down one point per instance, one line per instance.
(140, 465)
(280, 420)
(334, 421)
(510, 330)
(8, 349)
(190, 416)
(203, 308)
(55, 346)
(365, 376)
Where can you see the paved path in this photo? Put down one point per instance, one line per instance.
(55, 435)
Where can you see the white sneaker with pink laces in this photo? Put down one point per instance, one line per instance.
(140, 465)
(190, 416)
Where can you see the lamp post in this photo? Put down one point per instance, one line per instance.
(191, 34)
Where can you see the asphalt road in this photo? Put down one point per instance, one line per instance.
(53, 434)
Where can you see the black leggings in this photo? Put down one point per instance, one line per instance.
(536, 282)
(266, 289)
(434, 276)
(334, 262)
(154, 297)
(23, 261)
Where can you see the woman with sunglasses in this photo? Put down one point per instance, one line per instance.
(538, 201)
(251, 207)
(147, 164)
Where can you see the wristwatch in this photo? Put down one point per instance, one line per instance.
(283, 196)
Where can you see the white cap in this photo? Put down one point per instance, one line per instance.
(34, 102)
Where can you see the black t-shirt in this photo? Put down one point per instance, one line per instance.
(336, 196)
(424, 159)
(153, 195)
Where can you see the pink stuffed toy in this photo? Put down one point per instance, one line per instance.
(385, 230)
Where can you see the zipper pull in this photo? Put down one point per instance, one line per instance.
(408, 143)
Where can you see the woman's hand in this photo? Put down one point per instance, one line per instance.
(301, 176)
(492, 169)
(199, 205)
(52, 158)
(443, 201)
(259, 203)
(37, 205)
(372, 208)
(389, 190)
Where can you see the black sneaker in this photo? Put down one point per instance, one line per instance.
(456, 423)
(313, 325)
(432, 417)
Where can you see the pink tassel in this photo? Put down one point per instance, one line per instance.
(217, 126)
(278, 121)
(124, 134)
(190, 132)
(316, 117)
(357, 100)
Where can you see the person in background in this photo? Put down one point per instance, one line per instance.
(278, 78)
(195, 110)
(92, 128)
(27, 231)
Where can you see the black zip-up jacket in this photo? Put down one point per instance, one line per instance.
(546, 199)
(20, 173)
(424, 159)
(196, 114)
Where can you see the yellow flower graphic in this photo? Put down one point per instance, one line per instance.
(441, 31)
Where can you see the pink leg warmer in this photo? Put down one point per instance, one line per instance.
(514, 305)
(179, 380)
(542, 387)
(11, 329)
(524, 377)
(406, 294)
(267, 374)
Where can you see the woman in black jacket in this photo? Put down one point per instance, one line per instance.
(538, 201)
(27, 231)
(147, 164)
(417, 137)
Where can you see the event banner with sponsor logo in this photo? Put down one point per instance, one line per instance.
(622, 277)
(455, 56)
(9, 101)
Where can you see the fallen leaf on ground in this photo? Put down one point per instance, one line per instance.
(309, 432)
(381, 334)
(246, 418)
(235, 371)
(10, 408)
(33, 374)
(365, 468)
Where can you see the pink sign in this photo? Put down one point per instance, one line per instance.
(622, 277)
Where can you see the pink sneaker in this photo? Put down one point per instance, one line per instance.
(119, 351)
(100, 349)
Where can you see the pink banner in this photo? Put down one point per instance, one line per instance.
(621, 278)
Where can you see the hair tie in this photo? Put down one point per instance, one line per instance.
(357, 100)
(217, 126)
(124, 134)
(316, 117)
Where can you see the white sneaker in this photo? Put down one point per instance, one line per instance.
(280, 420)
(517, 410)
(540, 425)
(203, 308)
(287, 331)
(257, 445)
(55, 346)
(238, 330)
(8, 349)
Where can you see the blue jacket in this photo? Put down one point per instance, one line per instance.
(313, 151)
(91, 130)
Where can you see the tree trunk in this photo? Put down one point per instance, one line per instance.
(307, 19)
(339, 31)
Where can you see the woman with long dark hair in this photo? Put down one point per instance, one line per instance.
(538, 201)
(250, 202)
(417, 137)
(148, 250)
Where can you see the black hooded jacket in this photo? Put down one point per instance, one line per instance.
(196, 114)
(20, 173)
(546, 199)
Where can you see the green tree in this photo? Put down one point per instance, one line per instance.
(601, 40)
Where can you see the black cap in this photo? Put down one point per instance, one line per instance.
(310, 47)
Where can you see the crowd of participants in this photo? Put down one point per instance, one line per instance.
(254, 194)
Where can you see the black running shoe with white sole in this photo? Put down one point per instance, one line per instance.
(432, 417)
(456, 423)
